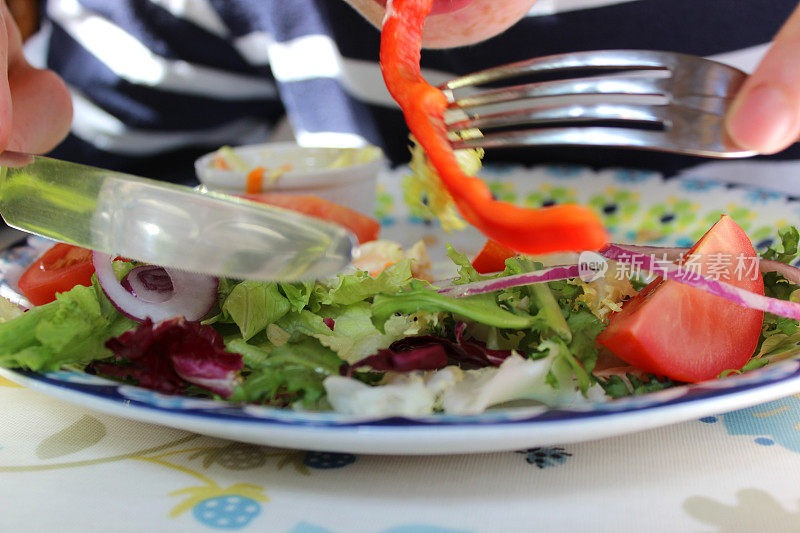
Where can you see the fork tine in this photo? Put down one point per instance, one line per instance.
(627, 59)
(604, 59)
(607, 137)
(622, 85)
(564, 113)
(692, 93)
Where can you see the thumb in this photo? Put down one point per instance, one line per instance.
(35, 105)
(5, 92)
(765, 115)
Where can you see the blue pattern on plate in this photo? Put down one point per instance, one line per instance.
(72, 376)
(630, 175)
(167, 401)
(762, 196)
(699, 184)
(565, 171)
(498, 168)
(748, 383)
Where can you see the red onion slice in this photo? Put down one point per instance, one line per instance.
(657, 260)
(149, 283)
(789, 272)
(669, 270)
(192, 296)
(527, 278)
(672, 254)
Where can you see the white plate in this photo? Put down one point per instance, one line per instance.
(349, 182)
(638, 206)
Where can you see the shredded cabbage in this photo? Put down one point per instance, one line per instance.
(233, 159)
(8, 309)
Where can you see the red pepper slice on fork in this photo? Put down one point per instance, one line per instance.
(534, 231)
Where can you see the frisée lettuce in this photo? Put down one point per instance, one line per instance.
(317, 345)
(384, 343)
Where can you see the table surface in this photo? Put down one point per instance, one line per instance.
(65, 468)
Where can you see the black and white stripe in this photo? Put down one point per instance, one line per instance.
(172, 78)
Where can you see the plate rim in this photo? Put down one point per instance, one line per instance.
(423, 439)
(416, 437)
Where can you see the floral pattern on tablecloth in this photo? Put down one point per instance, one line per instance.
(229, 506)
(776, 422)
(187, 482)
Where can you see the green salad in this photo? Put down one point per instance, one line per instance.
(386, 343)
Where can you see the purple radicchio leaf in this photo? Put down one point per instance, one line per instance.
(165, 356)
(431, 352)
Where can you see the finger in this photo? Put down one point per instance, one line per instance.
(38, 104)
(42, 110)
(765, 115)
(5, 93)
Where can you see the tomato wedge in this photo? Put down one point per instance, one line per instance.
(683, 333)
(559, 228)
(364, 227)
(60, 268)
(492, 257)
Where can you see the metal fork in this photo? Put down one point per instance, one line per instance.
(691, 96)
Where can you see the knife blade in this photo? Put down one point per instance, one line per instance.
(166, 224)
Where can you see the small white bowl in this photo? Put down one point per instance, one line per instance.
(346, 176)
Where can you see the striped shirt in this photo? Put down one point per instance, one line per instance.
(157, 82)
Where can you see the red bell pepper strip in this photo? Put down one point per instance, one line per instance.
(492, 257)
(534, 231)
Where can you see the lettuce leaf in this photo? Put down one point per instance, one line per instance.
(359, 286)
(253, 305)
(73, 329)
(355, 337)
(787, 250)
(287, 374)
(298, 294)
(466, 272)
(775, 285)
(780, 337)
(630, 385)
(481, 308)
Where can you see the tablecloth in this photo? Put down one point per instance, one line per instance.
(65, 468)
